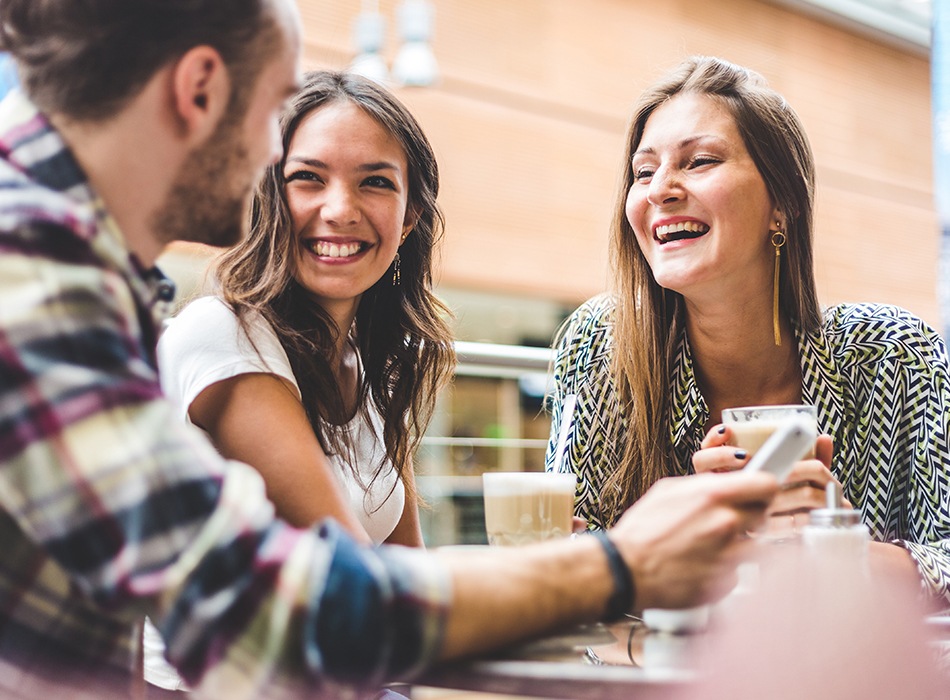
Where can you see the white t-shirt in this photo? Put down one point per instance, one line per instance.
(205, 344)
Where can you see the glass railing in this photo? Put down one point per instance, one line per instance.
(490, 419)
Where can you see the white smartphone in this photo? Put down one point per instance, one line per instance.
(786, 446)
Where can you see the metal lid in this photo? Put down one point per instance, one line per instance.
(833, 515)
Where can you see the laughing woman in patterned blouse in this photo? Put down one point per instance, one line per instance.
(714, 305)
(319, 359)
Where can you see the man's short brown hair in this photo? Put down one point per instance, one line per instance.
(85, 59)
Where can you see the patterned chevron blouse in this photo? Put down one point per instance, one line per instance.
(880, 378)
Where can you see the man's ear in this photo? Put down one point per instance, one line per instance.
(202, 89)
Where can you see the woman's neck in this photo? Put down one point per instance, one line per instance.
(344, 361)
(347, 371)
(736, 360)
(342, 314)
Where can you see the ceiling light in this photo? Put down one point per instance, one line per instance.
(415, 63)
(369, 31)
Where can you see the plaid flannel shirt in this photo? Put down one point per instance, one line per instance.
(111, 507)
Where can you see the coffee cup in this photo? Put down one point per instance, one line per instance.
(751, 426)
(524, 507)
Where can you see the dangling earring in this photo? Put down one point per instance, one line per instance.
(778, 240)
(396, 278)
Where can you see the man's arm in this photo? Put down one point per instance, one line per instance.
(681, 541)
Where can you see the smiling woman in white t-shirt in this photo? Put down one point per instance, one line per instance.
(319, 358)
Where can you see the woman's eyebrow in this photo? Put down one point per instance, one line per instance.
(379, 165)
(688, 141)
(365, 167)
(304, 160)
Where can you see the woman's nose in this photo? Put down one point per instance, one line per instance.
(664, 187)
(339, 206)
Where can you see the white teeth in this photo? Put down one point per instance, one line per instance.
(693, 226)
(335, 250)
(664, 232)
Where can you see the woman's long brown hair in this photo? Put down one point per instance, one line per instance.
(404, 341)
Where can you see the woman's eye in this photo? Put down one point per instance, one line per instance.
(642, 174)
(379, 181)
(699, 161)
(304, 175)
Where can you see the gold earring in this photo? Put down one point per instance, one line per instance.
(778, 239)
(396, 276)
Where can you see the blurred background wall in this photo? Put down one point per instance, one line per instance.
(529, 113)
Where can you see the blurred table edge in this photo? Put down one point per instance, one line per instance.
(552, 666)
(555, 679)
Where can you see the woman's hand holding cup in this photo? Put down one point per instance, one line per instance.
(725, 448)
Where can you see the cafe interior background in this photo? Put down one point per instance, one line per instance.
(526, 103)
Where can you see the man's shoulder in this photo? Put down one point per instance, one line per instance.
(39, 179)
(38, 220)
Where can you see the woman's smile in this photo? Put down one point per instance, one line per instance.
(334, 252)
(683, 230)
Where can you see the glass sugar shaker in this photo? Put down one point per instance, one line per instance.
(836, 533)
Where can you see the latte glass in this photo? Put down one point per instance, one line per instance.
(751, 426)
(524, 507)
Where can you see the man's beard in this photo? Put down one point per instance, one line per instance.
(202, 206)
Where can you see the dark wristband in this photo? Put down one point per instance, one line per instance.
(621, 600)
